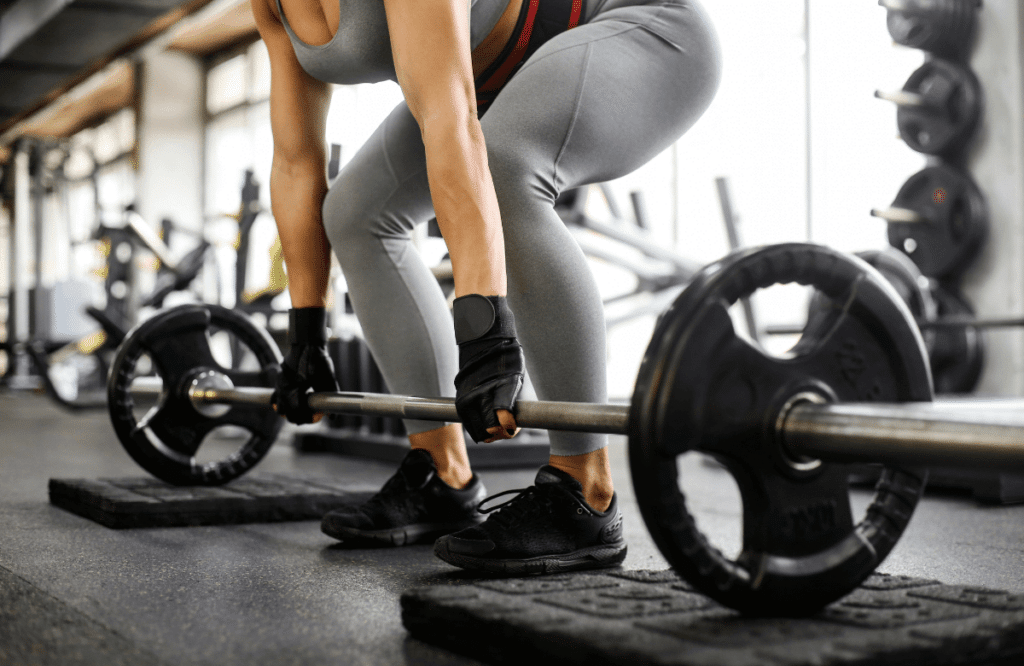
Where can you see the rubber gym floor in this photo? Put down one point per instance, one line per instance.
(73, 591)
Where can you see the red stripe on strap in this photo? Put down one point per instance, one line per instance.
(574, 18)
(498, 78)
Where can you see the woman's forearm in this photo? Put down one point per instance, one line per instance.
(465, 204)
(297, 193)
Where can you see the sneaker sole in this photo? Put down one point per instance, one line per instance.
(594, 557)
(406, 535)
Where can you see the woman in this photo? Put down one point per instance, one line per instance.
(575, 92)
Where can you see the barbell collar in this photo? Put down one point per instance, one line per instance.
(976, 434)
(902, 215)
(903, 98)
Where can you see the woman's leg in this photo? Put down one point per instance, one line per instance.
(592, 104)
(369, 215)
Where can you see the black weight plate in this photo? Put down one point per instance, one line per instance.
(703, 388)
(166, 439)
(955, 220)
(947, 121)
(906, 278)
(942, 27)
(958, 353)
(903, 274)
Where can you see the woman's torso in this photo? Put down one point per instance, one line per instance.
(360, 49)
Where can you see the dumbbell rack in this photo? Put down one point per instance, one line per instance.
(921, 228)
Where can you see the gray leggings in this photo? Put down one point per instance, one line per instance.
(592, 104)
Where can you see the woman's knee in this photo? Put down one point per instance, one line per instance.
(347, 228)
(354, 218)
(339, 222)
(518, 171)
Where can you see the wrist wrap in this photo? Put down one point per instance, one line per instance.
(307, 326)
(479, 316)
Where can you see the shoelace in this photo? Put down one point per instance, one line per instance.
(519, 507)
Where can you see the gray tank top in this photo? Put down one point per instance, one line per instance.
(361, 49)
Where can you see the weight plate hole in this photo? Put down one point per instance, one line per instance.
(222, 443)
(713, 499)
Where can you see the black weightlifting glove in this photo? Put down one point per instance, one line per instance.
(307, 367)
(490, 362)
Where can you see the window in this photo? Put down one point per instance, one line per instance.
(98, 181)
(238, 137)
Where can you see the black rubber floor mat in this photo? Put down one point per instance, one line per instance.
(148, 502)
(37, 629)
(644, 617)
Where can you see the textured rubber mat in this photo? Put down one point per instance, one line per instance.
(653, 617)
(148, 502)
(36, 629)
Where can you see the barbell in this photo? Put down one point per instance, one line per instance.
(782, 426)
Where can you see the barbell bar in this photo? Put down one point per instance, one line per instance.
(924, 324)
(928, 433)
(546, 415)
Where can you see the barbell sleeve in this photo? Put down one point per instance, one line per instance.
(927, 434)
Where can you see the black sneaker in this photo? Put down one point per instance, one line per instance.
(413, 506)
(546, 528)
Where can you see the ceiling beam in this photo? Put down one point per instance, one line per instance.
(214, 31)
(53, 89)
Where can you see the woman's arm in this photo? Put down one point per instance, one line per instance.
(431, 48)
(298, 181)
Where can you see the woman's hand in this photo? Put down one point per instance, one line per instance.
(491, 367)
(308, 366)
